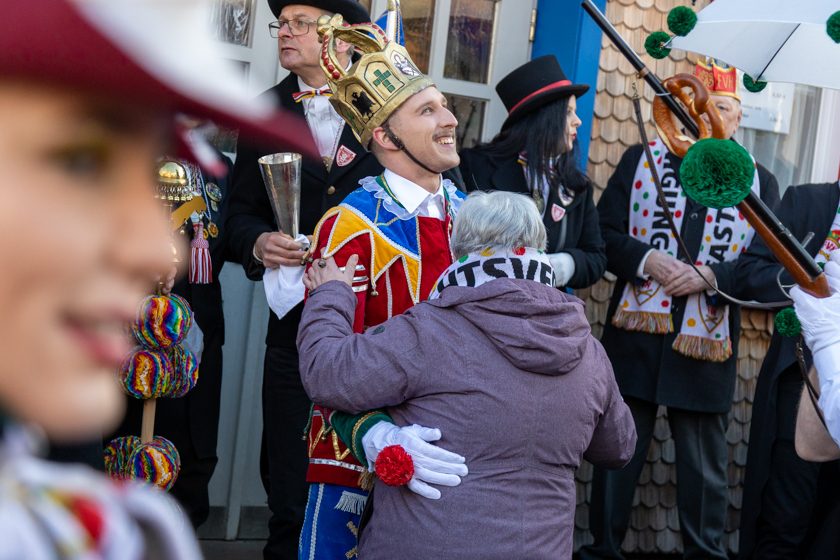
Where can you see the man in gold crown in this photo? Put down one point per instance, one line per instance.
(258, 245)
(670, 338)
(397, 225)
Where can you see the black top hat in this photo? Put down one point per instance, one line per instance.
(352, 11)
(534, 84)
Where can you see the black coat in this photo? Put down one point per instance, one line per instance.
(250, 213)
(577, 233)
(646, 367)
(804, 209)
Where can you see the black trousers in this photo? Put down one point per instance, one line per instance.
(284, 458)
(701, 454)
(193, 424)
(798, 496)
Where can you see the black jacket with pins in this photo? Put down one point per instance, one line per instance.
(250, 214)
(805, 209)
(577, 233)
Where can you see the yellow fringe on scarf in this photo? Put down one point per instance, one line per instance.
(643, 321)
(701, 348)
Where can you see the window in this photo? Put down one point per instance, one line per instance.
(466, 46)
(789, 156)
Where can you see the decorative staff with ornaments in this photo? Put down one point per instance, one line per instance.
(163, 366)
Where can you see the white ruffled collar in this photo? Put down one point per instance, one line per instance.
(394, 206)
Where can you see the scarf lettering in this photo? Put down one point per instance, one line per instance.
(493, 263)
(489, 267)
(723, 234)
(661, 232)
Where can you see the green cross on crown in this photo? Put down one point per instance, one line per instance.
(383, 79)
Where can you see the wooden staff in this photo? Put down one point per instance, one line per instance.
(147, 428)
(778, 238)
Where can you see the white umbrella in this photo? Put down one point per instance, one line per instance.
(770, 40)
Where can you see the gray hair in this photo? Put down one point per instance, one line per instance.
(497, 218)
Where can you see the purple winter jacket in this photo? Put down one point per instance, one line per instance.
(511, 374)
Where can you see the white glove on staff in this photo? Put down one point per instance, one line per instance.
(820, 320)
(432, 464)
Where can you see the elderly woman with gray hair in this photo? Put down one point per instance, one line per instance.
(504, 364)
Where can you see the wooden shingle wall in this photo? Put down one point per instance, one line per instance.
(654, 525)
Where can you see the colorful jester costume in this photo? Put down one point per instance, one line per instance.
(401, 255)
(400, 232)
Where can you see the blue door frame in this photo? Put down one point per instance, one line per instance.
(564, 30)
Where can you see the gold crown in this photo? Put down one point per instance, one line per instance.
(377, 84)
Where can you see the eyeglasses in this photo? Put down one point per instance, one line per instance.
(296, 26)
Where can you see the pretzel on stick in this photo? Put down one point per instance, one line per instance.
(676, 141)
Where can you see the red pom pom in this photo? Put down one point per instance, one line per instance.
(394, 466)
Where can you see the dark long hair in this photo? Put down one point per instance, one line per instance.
(542, 136)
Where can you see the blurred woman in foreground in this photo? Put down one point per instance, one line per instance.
(83, 118)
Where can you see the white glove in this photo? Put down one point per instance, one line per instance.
(432, 464)
(820, 318)
(284, 285)
(564, 267)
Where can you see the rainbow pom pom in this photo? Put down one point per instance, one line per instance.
(156, 462)
(117, 454)
(183, 303)
(162, 321)
(147, 374)
(186, 371)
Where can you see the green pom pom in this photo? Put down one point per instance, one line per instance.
(717, 173)
(681, 20)
(787, 323)
(832, 27)
(752, 85)
(654, 44)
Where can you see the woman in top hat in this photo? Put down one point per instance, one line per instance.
(83, 116)
(536, 154)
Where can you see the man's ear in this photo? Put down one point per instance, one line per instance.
(381, 139)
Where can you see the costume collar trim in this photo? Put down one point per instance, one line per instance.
(392, 201)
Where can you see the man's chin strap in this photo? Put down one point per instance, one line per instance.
(400, 146)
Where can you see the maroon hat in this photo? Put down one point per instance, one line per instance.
(534, 84)
(154, 54)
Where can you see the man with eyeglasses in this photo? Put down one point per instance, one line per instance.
(255, 238)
